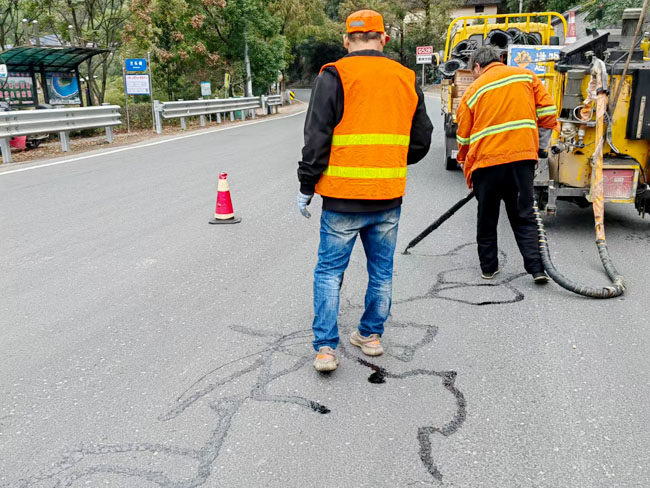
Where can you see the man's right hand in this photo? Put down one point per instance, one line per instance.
(303, 201)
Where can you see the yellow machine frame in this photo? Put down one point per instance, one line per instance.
(457, 33)
(546, 29)
(574, 168)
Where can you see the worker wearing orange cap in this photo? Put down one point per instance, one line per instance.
(366, 121)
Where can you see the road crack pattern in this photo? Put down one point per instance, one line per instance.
(85, 461)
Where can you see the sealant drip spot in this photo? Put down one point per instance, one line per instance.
(376, 378)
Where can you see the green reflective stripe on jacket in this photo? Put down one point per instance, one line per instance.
(462, 140)
(497, 129)
(365, 173)
(370, 140)
(551, 110)
(498, 84)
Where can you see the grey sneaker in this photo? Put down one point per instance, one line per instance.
(370, 345)
(540, 278)
(326, 359)
(489, 276)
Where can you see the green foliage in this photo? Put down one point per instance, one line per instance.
(601, 13)
(201, 40)
(97, 23)
(607, 13)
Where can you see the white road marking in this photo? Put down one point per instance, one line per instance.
(149, 144)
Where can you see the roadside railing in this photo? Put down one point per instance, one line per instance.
(273, 101)
(62, 120)
(216, 106)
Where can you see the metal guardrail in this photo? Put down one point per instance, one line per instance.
(192, 108)
(274, 101)
(61, 120)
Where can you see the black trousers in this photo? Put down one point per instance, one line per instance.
(512, 183)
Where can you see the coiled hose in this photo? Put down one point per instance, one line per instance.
(618, 282)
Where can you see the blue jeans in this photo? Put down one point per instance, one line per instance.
(338, 233)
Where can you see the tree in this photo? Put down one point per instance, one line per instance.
(95, 23)
(10, 23)
(205, 38)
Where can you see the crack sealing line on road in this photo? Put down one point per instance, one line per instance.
(445, 284)
(260, 363)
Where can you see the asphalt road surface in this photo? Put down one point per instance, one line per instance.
(141, 347)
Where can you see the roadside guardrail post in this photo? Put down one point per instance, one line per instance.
(263, 102)
(202, 118)
(109, 129)
(64, 135)
(157, 108)
(232, 116)
(183, 125)
(6, 150)
(218, 118)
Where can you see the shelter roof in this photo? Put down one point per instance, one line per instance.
(67, 58)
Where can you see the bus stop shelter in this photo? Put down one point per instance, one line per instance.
(51, 72)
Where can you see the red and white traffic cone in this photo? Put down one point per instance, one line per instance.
(224, 213)
(571, 33)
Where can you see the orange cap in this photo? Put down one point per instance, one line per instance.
(365, 21)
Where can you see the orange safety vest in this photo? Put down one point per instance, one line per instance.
(498, 118)
(370, 144)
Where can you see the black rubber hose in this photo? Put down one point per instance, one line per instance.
(618, 283)
(444, 217)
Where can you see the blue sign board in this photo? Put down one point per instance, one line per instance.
(533, 58)
(136, 64)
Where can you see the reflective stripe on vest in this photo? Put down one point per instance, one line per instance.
(355, 172)
(544, 111)
(370, 144)
(497, 129)
(370, 139)
(508, 80)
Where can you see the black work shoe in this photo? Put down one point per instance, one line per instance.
(489, 276)
(540, 278)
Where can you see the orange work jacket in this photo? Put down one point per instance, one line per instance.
(370, 145)
(498, 118)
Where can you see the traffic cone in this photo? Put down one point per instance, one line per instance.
(224, 213)
(571, 33)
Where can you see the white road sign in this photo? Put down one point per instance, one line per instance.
(424, 58)
(137, 84)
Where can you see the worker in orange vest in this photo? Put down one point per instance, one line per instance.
(505, 120)
(366, 121)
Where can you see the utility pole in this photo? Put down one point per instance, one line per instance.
(521, 6)
(247, 61)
